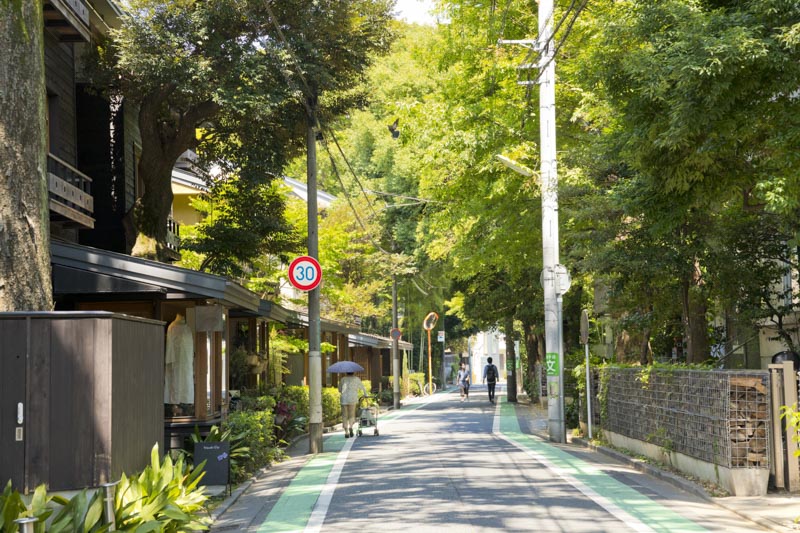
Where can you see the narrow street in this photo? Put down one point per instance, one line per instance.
(443, 465)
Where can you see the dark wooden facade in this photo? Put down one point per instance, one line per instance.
(80, 397)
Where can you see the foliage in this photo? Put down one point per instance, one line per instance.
(240, 454)
(238, 368)
(367, 386)
(164, 497)
(417, 380)
(258, 402)
(224, 69)
(792, 416)
(331, 406)
(298, 396)
(81, 513)
(386, 397)
(256, 430)
(281, 346)
(239, 225)
(12, 507)
(287, 422)
(571, 413)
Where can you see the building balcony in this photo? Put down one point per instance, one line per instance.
(70, 193)
(69, 19)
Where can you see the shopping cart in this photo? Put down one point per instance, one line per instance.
(368, 414)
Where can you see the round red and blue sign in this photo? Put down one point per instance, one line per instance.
(305, 273)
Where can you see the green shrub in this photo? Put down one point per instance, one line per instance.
(165, 497)
(257, 403)
(367, 385)
(297, 395)
(386, 397)
(331, 406)
(416, 381)
(12, 507)
(256, 429)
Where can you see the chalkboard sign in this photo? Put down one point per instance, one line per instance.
(217, 456)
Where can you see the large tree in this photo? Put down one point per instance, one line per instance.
(233, 71)
(24, 217)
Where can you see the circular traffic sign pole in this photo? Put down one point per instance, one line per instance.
(305, 274)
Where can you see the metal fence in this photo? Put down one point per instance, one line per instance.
(720, 417)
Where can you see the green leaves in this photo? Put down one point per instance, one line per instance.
(164, 497)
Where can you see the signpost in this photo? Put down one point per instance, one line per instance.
(218, 462)
(305, 274)
(429, 323)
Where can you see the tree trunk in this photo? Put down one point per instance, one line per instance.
(644, 353)
(532, 349)
(511, 360)
(165, 136)
(698, 329)
(694, 319)
(25, 283)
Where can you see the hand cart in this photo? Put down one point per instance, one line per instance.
(368, 414)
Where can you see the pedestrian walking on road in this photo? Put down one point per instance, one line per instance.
(463, 382)
(349, 387)
(490, 375)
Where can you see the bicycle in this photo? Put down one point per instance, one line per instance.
(426, 390)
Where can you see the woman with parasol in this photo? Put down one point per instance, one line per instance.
(349, 387)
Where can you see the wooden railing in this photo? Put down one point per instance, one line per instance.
(70, 192)
(173, 234)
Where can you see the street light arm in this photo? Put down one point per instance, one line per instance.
(517, 167)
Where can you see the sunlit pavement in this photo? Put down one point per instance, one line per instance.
(443, 465)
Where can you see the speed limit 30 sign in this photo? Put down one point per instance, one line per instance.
(305, 273)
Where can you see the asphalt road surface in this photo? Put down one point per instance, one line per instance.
(443, 465)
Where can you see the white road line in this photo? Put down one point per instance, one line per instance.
(320, 511)
(496, 421)
(630, 521)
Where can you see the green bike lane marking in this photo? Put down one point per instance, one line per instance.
(636, 510)
(294, 508)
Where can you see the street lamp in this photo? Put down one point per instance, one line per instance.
(517, 167)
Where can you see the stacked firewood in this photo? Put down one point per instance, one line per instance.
(749, 417)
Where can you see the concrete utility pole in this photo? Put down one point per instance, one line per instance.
(550, 251)
(314, 351)
(554, 276)
(395, 350)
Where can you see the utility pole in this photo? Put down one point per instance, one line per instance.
(314, 351)
(554, 277)
(550, 243)
(395, 350)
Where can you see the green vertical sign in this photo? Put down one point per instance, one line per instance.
(551, 361)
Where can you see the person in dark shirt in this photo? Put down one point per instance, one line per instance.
(490, 377)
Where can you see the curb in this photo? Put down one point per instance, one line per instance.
(647, 468)
(679, 482)
(242, 487)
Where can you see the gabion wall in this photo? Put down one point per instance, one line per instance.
(720, 417)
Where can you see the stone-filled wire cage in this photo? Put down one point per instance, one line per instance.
(721, 417)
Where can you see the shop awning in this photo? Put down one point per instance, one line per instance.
(82, 270)
(376, 341)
